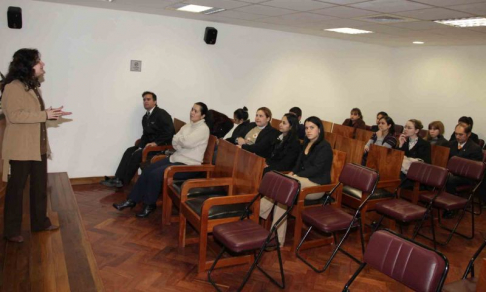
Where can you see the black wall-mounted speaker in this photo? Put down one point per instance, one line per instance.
(14, 17)
(210, 35)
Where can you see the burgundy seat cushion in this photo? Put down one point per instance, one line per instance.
(467, 285)
(445, 201)
(400, 210)
(327, 218)
(241, 235)
(418, 268)
(216, 212)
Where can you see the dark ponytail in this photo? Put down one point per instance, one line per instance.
(241, 113)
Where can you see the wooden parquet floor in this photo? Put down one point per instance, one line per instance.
(139, 255)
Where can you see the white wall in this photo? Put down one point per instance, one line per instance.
(440, 83)
(87, 53)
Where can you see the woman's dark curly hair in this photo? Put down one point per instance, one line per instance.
(22, 68)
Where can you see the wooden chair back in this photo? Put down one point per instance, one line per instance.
(209, 153)
(338, 162)
(398, 129)
(363, 135)
(275, 123)
(178, 124)
(225, 159)
(248, 172)
(388, 162)
(422, 133)
(439, 155)
(331, 138)
(354, 148)
(327, 126)
(345, 131)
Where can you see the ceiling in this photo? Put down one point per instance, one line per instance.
(311, 17)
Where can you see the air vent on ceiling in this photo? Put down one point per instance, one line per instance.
(386, 18)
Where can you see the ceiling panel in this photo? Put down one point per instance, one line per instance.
(434, 14)
(388, 6)
(448, 2)
(226, 4)
(265, 10)
(301, 5)
(477, 8)
(240, 15)
(345, 12)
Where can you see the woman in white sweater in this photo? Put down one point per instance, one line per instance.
(190, 144)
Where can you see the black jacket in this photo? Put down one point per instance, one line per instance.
(158, 128)
(221, 124)
(474, 137)
(470, 150)
(301, 131)
(263, 143)
(240, 131)
(284, 155)
(440, 141)
(420, 150)
(316, 166)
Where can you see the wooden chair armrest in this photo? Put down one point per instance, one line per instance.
(205, 182)
(146, 150)
(393, 183)
(158, 158)
(228, 200)
(171, 170)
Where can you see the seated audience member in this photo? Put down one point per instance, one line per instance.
(261, 135)
(355, 120)
(190, 144)
(468, 121)
(286, 147)
(298, 113)
(242, 125)
(221, 124)
(158, 129)
(313, 168)
(379, 116)
(412, 144)
(385, 136)
(463, 147)
(435, 135)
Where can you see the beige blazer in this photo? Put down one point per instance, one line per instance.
(23, 116)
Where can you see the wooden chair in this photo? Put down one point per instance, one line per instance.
(172, 187)
(177, 126)
(363, 135)
(388, 163)
(439, 155)
(422, 133)
(327, 126)
(343, 130)
(275, 123)
(338, 161)
(331, 138)
(354, 148)
(205, 212)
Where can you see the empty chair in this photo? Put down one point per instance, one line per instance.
(329, 219)
(406, 212)
(470, 169)
(247, 235)
(410, 263)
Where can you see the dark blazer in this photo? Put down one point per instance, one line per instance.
(440, 141)
(301, 131)
(474, 137)
(263, 143)
(358, 124)
(374, 128)
(284, 155)
(240, 131)
(158, 128)
(221, 124)
(470, 150)
(316, 166)
(420, 150)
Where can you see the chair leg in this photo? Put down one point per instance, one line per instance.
(378, 224)
(282, 282)
(166, 209)
(203, 249)
(432, 228)
(479, 203)
(297, 231)
(454, 230)
(213, 266)
(351, 280)
(182, 230)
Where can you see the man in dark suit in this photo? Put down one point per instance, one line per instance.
(158, 129)
(464, 147)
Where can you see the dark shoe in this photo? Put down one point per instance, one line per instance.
(17, 239)
(113, 182)
(50, 228)
(147, 209)
(117, 183)
(124, 204)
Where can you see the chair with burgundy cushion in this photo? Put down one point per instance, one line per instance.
(248, 236)
(330, 219)
(404, 211)
(466, 284)
(470, 169)
(410, 263)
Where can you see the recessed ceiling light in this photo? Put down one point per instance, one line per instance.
(194, 8)
(464, 22)
(348, 30)
(418, 43)
(213, 11)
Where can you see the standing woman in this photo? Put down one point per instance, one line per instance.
(25, 144)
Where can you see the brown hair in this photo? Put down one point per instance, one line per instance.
(266, 111)
(435, 125)
(417, 124)
(357, 111)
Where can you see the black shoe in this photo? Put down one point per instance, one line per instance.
(147, 209)
(124, 204)
(113, 182)
(117, 183)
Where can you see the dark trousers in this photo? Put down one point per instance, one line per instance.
(149, 184)
(129, 164)
(20, 170)
(455, 181)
